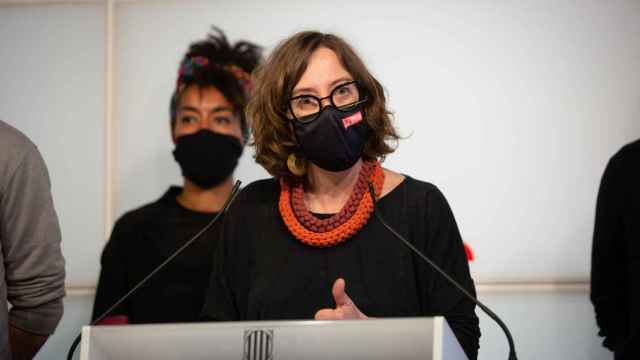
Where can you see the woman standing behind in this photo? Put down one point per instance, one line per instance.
(209, 129)
(304, 244)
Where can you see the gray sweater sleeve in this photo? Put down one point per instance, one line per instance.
(30, 243)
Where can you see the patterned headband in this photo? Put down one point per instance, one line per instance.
(190, 64)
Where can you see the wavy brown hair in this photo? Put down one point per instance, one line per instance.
(274, 139)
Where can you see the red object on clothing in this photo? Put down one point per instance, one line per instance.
(352, 120)
(115, 320)
(469, 252)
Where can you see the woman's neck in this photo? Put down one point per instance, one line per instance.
(328, 191)
(198, 199)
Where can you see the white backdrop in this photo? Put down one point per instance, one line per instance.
(52, 88)
(512, 109)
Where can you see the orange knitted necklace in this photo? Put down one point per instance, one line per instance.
(316, 232)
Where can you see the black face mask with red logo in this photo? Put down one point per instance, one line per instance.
(335, 139)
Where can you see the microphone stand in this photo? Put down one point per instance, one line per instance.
(491, 314)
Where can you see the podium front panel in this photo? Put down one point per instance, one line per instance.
(402, 338)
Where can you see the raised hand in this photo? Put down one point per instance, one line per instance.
(345, 308)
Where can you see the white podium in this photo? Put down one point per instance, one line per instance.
(398, 338)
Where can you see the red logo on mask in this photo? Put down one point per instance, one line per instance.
(352, 119)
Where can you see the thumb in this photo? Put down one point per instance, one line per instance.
(339, 294)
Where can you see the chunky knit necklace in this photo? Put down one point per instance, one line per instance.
(336, 229)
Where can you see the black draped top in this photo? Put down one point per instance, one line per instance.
(141, 240)
(261, 272)
(615, 258)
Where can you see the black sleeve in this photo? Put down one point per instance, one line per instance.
(608, 280)
(112, 284)
(445, 247)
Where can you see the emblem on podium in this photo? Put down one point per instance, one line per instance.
(258, 344)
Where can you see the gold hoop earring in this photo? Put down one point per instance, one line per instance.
(296, 165)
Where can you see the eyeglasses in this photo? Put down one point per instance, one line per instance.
(344, 97)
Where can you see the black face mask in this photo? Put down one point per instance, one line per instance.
(335, 140)
(207, 158)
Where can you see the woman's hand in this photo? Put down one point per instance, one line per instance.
(345, 308)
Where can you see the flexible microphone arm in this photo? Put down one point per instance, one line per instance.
(234, 193)
(512, 348)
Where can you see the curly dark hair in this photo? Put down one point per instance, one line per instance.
(220, 55)
(273, 135)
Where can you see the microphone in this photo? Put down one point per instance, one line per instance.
(492, 315)
(234, 193)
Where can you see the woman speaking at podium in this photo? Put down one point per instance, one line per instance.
(305, 244)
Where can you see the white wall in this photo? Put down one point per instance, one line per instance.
(52, 88)
(511, 108)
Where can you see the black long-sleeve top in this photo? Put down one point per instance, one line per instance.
(261, 272)
(615, 262)
(141, 240)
